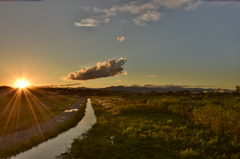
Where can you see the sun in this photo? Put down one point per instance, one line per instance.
(21, 84)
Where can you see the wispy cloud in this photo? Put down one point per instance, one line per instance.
(125, 73)
(101, 69)
(149, 16)
(142, 12)
(194, 6)
(61, 85)
(121, 38)
(151, 75)
(71, 84)
(88, 22)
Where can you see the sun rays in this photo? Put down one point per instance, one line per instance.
(24, 108)
(21, 109)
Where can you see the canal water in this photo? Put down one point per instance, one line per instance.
(60, 144)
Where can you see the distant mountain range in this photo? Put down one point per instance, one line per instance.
(157, 89)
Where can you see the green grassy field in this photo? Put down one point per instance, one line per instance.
(21, 111)
(160, 126)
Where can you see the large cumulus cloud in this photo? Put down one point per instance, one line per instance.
(101, 69)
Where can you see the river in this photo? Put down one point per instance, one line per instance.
(60, 144)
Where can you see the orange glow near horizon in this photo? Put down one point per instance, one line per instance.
(21, 84)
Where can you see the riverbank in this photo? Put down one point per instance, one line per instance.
(15, 143)
(161, 126)
(20, 111)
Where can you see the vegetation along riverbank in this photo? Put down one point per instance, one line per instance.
(23, 146)
(25, 112)
(162, 125)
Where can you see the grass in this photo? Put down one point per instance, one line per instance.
(161, 126)
(22, 111)
(34, 141)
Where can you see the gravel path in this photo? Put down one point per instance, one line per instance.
(26, 134)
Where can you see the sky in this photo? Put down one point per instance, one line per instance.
(100, 43)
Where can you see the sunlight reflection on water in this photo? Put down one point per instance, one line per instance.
(71, 110)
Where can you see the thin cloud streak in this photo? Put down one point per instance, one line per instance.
(151, 75)
(88, 22)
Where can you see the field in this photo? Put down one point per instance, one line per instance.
(19, 110)
(162, 125)
(55, 105)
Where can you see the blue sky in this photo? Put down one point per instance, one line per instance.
(181, 42)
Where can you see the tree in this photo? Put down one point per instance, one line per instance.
(237, 88)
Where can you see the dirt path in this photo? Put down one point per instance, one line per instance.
(26, 134)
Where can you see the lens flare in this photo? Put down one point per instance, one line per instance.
(21, 84)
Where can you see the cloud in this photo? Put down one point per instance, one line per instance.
(52, 85)
(136, 7)
(151, 76)
(176, 4)
(88, 22)
(101, 69)
(121, 38)
(142, 12)
(72, 84)
(194, 6)
(148, 16)
(124, 73)
(118, 80)
(182, 82)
